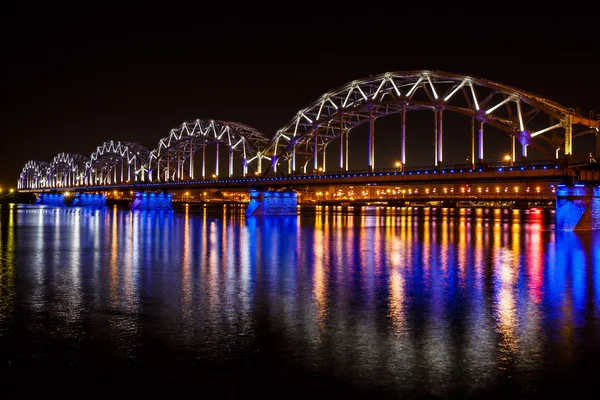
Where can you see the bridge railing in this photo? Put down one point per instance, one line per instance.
(423, 168)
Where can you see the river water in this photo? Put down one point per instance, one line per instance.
(418, 303)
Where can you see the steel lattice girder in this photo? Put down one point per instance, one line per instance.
(110, 153)
(508, 109)
(64, 163)
(34, 173)
(175, 149)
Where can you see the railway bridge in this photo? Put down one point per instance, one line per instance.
(396, 128)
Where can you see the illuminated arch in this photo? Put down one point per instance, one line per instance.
(116, 162)
(173, 158)
(530, 119)
(34, 175)
(67, 170)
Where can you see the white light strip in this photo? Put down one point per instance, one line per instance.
(432, 88)
(506, 100)
(363, 93)
(332, 103)
(236, 145)
(379, 88)
(545, 130)
(347, 96)
(474, 98)
(308, 119)
(320, 109)
(395, 87)
(412, 89)
(521, 126)
(454, 91)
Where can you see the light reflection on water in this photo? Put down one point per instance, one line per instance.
(417, 302)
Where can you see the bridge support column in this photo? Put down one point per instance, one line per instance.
(89, 200)
(152, 201)
(577, 207)
(270, 202)
(51, 199)
(440, 135)
(480, 142)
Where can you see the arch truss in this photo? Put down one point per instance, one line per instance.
(67, 170)
(34, 175)
(174, 157)
(116, 162)
(531, 120)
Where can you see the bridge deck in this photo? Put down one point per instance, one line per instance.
(538, 173)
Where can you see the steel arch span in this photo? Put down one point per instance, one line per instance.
(174, 157)
(34, 175)
(67, 170)
(528, 119)
(114, 162)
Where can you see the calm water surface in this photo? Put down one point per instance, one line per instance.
(382, 303)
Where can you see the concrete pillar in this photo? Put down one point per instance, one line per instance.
(51, 199)
(89, 200)
(577, 207)
(270, 202)
(152, 201)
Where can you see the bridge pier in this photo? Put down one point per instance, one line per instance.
(271, 202)
(96, 200)
(51, 199)
(152, 201)
(577, 207)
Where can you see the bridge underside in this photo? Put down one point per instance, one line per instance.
(578, 207)
(272, 203)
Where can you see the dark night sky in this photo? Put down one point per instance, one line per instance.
(74, 78)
